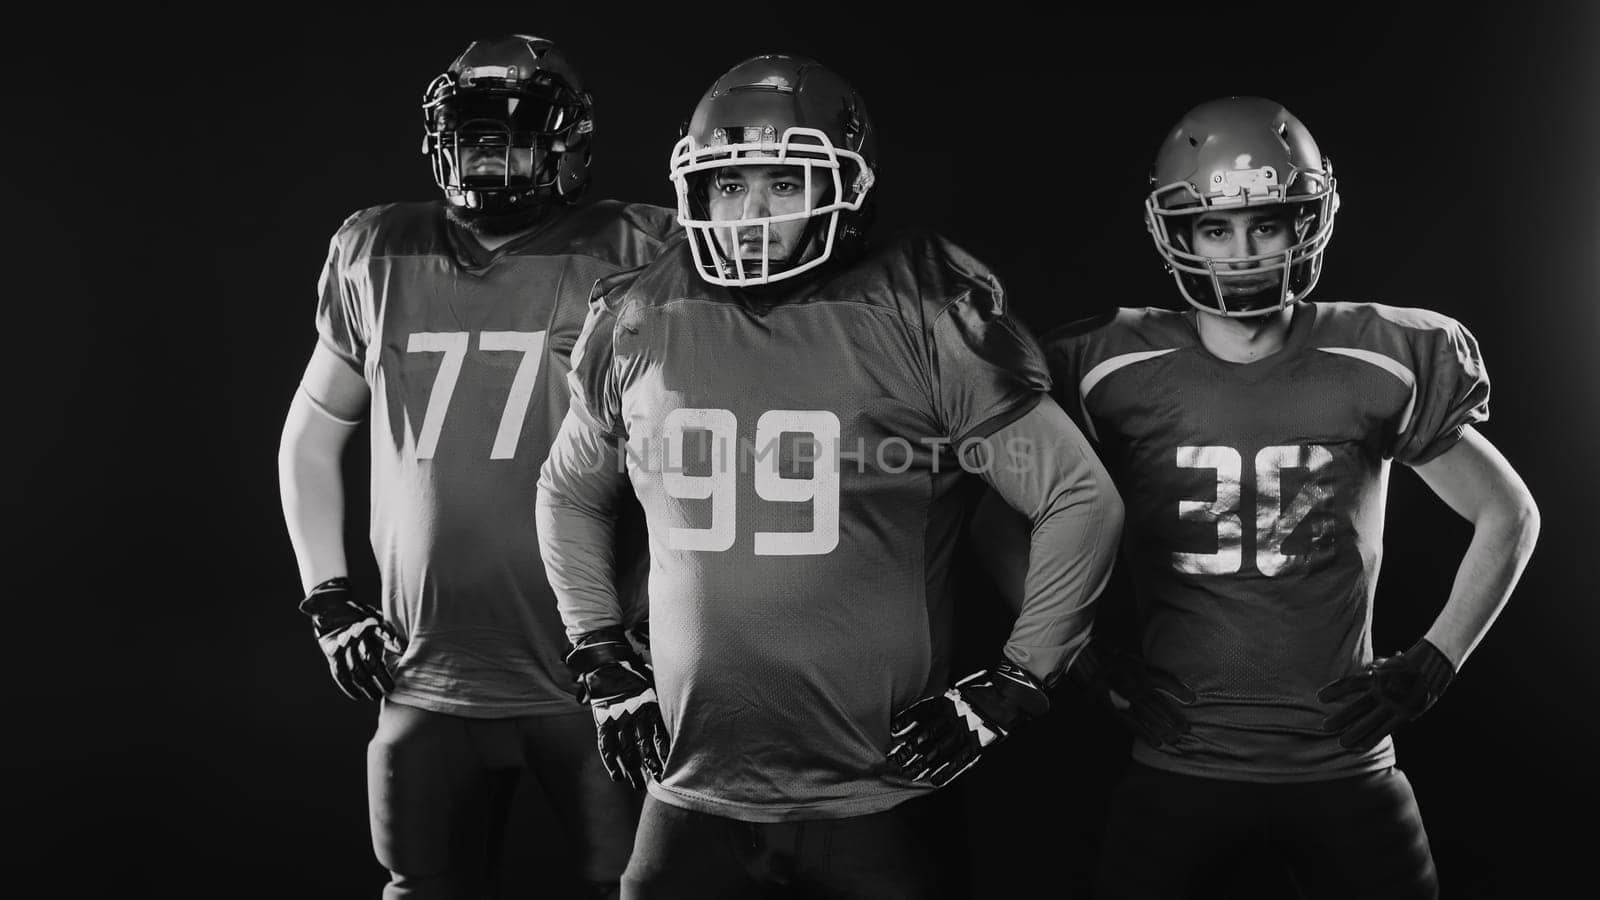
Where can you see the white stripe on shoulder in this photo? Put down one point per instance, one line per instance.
(1098, 373)
(1388, 364)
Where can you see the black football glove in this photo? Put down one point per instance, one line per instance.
(621, 692)
(1148, 701)
(353, 636)
(938, 738)
(1389, 692)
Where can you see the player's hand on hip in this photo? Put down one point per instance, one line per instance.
(1387, 693)
(354, 637)
(619, 687)
(1147, 700)
(937, 738)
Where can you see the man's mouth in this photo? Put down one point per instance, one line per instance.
(1247, 284)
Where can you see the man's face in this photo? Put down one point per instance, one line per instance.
(752, 192)
(1245, 232)
(490, 162)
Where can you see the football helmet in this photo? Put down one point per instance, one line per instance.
(777, 110)
(517, 91)
(1235, 153)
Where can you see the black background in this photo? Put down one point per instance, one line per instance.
(174, 186)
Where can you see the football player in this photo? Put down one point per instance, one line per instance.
(454, 320)
(798, 414)
(1251, 434)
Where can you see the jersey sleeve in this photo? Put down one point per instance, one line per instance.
(1452, 392)
(1075, 516)
(1065, 350)
(659, 227)
(340, 325)
(596, 395)
(986, 368)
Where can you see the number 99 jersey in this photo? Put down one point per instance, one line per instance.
(794, 453)
(1255, 506)
(466, 354)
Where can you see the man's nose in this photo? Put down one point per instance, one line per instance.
(1240, 246)
(757, 205)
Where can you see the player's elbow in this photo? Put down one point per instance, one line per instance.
(1525, 521)
(1108, 506)
(1514, 518)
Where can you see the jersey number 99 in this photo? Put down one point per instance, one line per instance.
(821, 489)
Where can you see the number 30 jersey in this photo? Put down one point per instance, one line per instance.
(1255, 506)
(466, 352)
(794, 454)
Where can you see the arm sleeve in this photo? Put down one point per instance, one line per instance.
(576, 512)
(1452, 392)
(1043, 467)
(340, 325)
(986, 369)
(595, 394)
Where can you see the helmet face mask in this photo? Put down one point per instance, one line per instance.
(843, 173)
(1242, 153)
(501, 96)
(766, 112)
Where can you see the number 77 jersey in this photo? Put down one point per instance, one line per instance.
(1255, 506)
(465, 353)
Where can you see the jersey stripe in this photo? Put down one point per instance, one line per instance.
(1390, 365)
(1097, 374)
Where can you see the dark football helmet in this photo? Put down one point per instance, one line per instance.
(777, 110)
(1235, 153)
(505, 93)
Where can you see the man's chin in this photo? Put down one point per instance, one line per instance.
(499, 223)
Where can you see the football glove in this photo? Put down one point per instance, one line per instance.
(1389, 692)
(1148, 701)
(620, 690)
(353, 636)
(938, 738)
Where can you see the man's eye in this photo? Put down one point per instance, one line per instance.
(1214, 234)
(785, 187)
(730, 187)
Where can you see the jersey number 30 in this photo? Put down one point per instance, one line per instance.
(1274, 521)
(721, 487)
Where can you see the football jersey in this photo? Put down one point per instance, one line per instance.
(795, 455)
(466, 352)
(1255, 505)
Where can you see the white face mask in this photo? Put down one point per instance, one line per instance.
(807, 149)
